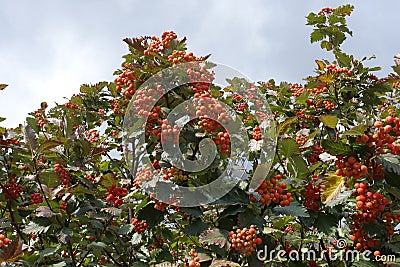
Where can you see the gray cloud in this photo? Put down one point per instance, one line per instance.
(48, 48)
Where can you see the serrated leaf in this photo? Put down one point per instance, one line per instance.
(331, 187)
(329, 120)
(285, 124)
(195, 228)
(390, 162)
(65, 235)
(113, 211)
(98, 245)
(30, 137)
(316, 36)
(223, 263)
(149, 214)
(48, 144)
(335, 147)
(108, 179)
(50, 179)
(356, 130)
(298, 167)
(215, 236)
(321, 65)
(342, 197)
(248, 218)
(37, 226)
(44, 211)
(136, 239)
(344, 10)
(374, 229)
(295, 209)
(325, 223)
(125, 229)
(288, 147)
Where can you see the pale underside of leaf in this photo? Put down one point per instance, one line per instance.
(331, 187)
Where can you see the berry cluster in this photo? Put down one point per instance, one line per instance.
(12, 190)
(301, 139)
(161, 206)
(143, 175)
(222, 141)
(195, 261)
(115, 195)
(139, 226)
(350, 167)
(316, 151)
(126, 82)
(370, 207)
(146, 99)
(158, 44)
(63, 206)
(36, 198)
(4, 241)
(40, 115)
(174, 175)
(8, 142)
(158, 242)
(326, 10)
(257, 133)
(334, 69)
(92, 135)
(114, 105)
(181, 56)
(312, 194)
(205, 106)
(62, 173)
(272, 191)
(169, 133)
(244, 240)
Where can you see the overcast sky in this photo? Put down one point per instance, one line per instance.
(49, 48)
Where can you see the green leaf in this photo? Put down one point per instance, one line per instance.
(215, 236)
(152, 216)
(248, 218)
(356, 130)
(301, 100)
(2, 119)
(3, 86)
(295, 209)
(125, 229)
(288, 147)
(344, 10)
(335, 147)
(375, 230)
(195, 228)
(50, 179)
(48, 144)
(316, 36)
(390, 162)
(325, 223)
(313, 19)
(343, 59)
(37, 226)
(65, 235)
(285, 124)
(136, 239)
(98, 245)
(329, 120)
(298, 167)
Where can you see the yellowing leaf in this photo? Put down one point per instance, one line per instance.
(329, 120)
(12, 251)
(321, 65)
(3, 86)
(331, 187)
(326, 77)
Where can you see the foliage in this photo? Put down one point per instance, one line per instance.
(72, 196)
